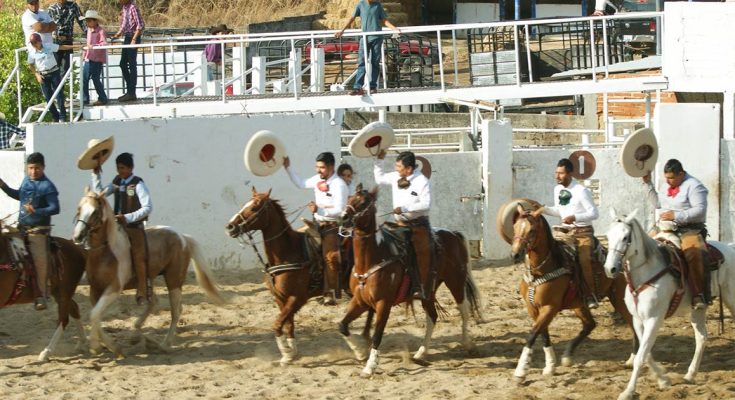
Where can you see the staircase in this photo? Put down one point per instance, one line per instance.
(340, 11)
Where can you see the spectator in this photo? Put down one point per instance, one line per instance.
(345, 172)
(213, 51)
(94, 59)
(42, 63)
(65, 13)
(131, 27)
(372, 17)
(7, 132)
(36, 20)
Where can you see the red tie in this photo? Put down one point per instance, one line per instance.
(673, 191)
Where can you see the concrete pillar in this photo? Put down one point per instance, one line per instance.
(497, 181)
(239, 66)
(317, 69)
(280, 86)
(259, 74)
(294, 72)
(728, 115)
(201, 76)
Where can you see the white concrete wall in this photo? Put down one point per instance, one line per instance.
(193, 167)
(12, 172)
(727, 198)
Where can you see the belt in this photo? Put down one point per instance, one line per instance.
(49, 71)
(422, 221)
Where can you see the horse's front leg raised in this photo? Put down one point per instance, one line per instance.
(358, 344)
(700, 336)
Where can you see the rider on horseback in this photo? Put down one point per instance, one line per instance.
(411, 202)
(132, 208)
(573, 204)
(330, 195)
(39, 200)
(685, 204)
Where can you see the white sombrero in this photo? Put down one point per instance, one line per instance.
(371, 139)
(92, 14)
(98, 151)
(507, 215)
(264, 153)
(639, 153)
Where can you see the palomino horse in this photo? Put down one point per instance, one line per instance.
(378, 279)
(109, 265)
(69, 261)
(293, 269)
(547, 287)
(652, 288)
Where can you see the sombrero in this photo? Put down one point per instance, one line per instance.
(92, 14)
(507, 215)
(97, 152)
(639, 153)
(371, 139)
(264, 153)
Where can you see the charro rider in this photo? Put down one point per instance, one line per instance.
(330, 199)
(39, 200)
(573, 204)
(132, 207)
(411, 192)
(684, 203)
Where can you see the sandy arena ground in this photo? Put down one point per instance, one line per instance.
(229, 352)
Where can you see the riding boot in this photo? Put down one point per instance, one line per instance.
(417, 289)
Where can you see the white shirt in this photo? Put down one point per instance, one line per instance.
(415, 200)
(29, 18)
(141, 190)
(43, 59)
(331, 203)
(580, 205)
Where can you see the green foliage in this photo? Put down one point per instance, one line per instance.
(11, 38)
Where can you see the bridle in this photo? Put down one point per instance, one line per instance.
(91, 226)
(247, 220)
(626, 244)
(530, 240)
(356, 215)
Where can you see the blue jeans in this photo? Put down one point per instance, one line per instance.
(373, 50)
(129, 64)
(49, 83)
(93, 70)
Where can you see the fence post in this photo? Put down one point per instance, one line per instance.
(294, 71)
(259, 74)
(317, 69)
(497, 181)
(202, 75)
(239, 65)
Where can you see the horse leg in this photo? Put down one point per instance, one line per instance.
(174, 298)
(542, 319)
(43, 357)
(549, 355)
(647, 331)
(588, 325)
(464, 311)
(290, 338)
(616, 294)
(431, 317)
(465, 295)
(382, 311)
(140, 321)
(358, 344)
(82, 345)
(96, 333)
(287, 311)
(368, 324)
(700, 336)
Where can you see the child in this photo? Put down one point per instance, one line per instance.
(213, 51)
(94, 59)
(42, 62)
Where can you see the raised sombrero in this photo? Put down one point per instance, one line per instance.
(264, 153)
(507, 215)
(98, 151)
(371, 139)
(639, 153)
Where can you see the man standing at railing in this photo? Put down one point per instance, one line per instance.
(65, 13)
(36, 20)
(131, 27)
(372, 18)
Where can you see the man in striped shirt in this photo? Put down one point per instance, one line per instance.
(131, 28)
(65, 13)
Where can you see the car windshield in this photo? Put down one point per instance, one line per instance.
(639, 5)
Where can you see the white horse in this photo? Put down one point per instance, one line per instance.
(651, 289)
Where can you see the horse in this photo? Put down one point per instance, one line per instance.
(69, 262)
(109, 266)
(652, 288)
(379, 281)
(294, 266)
(548, 287)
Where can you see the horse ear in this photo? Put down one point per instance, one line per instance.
(374, 191)
(358, 189)
(538, 211)
(269, 192)
(254, 191)
(86, 190)
(613, 213)
(631, 217)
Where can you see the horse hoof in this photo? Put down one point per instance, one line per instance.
(366, 374)
(626, 396)
(519, 379)
(566, 361)
(43, 357)
(549, 371)
(689, 378)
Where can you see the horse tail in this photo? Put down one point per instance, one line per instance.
(203, 273)
(472, 293)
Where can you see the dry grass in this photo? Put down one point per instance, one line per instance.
(203, 13)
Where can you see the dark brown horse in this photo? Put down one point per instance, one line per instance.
(294, 266)
(378, 280)
(547, 287)
(69, 267)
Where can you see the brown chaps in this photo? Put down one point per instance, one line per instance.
(139, 255)
(331, 256)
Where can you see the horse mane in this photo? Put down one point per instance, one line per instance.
(556, 252)
(650, 247)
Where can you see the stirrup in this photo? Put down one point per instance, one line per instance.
(698, 302)
(592, 303)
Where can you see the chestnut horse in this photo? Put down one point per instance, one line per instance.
(69, 268)
(294, 266)
(547, 287)
(109, 266)
(378, 279)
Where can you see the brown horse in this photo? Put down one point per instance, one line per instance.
(109, 266)
(69, 268)
(293, 265)
(378, 278)
(547, 287)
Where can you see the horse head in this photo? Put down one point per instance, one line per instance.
(252, 216)
(360, 210)
(526, 229)
(93, 213)
(619, 238)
